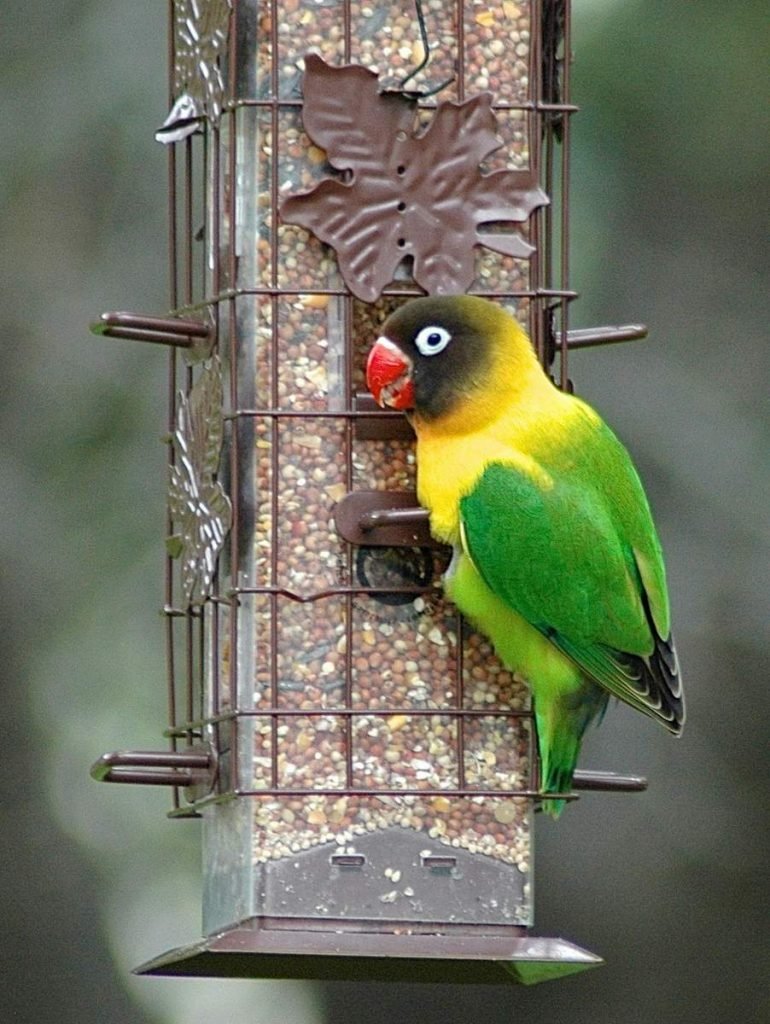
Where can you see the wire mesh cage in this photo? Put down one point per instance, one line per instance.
(364, 767)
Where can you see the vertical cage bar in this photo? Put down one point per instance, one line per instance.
(460, 700)
(274, 382)
(541, 220)
(347, 330)
(346, 23)
(188, 291)
(170, 628)
(460, 22)
(236, 455)
(565, 190)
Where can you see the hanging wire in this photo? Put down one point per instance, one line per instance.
(552, 64)
(416, 94)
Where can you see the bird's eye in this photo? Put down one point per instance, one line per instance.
(432, 340)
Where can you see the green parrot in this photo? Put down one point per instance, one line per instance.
(556, 558)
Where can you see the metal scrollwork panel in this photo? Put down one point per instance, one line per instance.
(200, 37)
(198, 506)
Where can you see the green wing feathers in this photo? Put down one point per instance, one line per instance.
(578, 558)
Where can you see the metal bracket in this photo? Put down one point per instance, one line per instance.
(194, 335)
(608, 782)
(589, 337)
(194, 768)
(390, 519)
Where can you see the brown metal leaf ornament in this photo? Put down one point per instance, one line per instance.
(407, 190)
(200, 35)
(198, 506)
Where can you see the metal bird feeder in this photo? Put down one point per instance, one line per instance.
(364, 768)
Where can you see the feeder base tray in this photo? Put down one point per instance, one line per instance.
(251, 951)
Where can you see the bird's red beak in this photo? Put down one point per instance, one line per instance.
(389, 375)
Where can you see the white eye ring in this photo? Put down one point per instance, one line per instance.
(432, 340)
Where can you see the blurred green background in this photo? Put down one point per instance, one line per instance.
(669, 189)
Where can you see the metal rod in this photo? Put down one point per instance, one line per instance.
(148, 778)
(424, 62)
(564, 241)
(425, 46)
(446, 791)
(393, 291)
(528, 106)
(393, 517)
(460, 24)
(199, 759)
(588, 337)
(284, 711)
(540, 224)
(608, 782)
(237, 356)
(583, 781)
(275, 437)
(170, 630)
(130, 334)
(341, 591)
(174, 331)
(156, 768)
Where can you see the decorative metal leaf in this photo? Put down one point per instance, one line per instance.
(408, 191)
(200, 35)
(198, 506)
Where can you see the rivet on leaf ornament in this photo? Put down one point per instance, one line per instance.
(198, 506)
(408, 191)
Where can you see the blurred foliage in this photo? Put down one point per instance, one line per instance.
(670, 155)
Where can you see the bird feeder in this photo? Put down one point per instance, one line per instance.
(364, 768)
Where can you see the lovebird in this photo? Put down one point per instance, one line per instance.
(556, 557)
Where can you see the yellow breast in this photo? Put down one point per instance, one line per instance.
(525, 436)
(448, 468)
